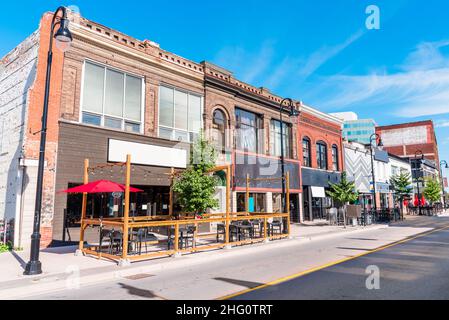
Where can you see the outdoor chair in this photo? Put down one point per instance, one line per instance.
(221, 231)
(185, 236)
(104, 233)
(142, 237)
(275, 228)
(234, 232)
(116, 242)
(188, 236)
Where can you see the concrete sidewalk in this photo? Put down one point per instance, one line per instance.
(62, 269)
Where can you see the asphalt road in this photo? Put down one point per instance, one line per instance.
(414, 269)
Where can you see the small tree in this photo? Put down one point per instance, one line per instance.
(402, 187)
(432, 190)
(343, 193)
(195, 187)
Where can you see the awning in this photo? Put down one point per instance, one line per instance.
(318, 192)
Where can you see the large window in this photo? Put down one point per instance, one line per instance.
(180, 114)
(335, 164)
(321, 155)
(306, 152)
(219, 130)
(112, 98)
(248, 131)
(275, 139)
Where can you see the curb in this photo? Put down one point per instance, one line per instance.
(63, 281)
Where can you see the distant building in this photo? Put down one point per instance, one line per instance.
(405, 139)
(355, 129)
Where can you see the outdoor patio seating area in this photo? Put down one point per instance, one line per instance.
(133, 238)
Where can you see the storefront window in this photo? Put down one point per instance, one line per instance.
(275, 139)
(335, 164)
(248, 127)
(306, 152)
(257, 202)
(180, 114)
(111, 98)
(321, 155)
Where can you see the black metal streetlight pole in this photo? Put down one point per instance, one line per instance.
(446, 166)
(293, 112)
(417, 174)
(63, 35)
(374, 137)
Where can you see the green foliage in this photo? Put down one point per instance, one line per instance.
(5, 247)
(432, 191)
(195, 187)
(344, 191)
(402, 185)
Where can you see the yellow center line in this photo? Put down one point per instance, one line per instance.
(331, 264)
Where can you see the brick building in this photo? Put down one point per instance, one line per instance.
(113, 95)
(244, 122)
(321, 153)
(405, 139)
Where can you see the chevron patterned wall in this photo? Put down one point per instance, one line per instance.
(358, 167)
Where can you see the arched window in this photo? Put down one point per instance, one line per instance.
(321, 155)
(219, 130)
(306, 152)
(335, 164)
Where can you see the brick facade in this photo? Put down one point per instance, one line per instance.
(428, 144)
(318, 129)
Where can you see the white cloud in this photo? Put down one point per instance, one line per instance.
(443, 123)
(321, 56)
(419, 88)
(248, 65)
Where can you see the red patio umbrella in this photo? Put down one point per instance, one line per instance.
(423, 201)
(416, 202)
(101, 186)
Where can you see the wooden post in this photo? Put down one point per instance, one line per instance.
(84, 204)
(247, 194)
(265, 225)
(228, 202)
(288, 202)
(172, 177)
(176, 244)
(126, 211)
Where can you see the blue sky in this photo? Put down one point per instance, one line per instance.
(317, 51)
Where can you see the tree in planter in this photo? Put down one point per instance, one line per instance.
(343, 193)
(432, 191)
(195, 187)
(402, 186)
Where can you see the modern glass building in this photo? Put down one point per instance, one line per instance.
(359, 130)
(355, 129)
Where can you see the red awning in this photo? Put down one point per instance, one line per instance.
(101, 186)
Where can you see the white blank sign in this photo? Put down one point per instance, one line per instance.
(147, 154)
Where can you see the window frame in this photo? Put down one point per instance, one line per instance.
(309, 158)
(335, 161)
(103, 115)
(319, 155)
(288, 152)
(259, 126)
(216, 127)
(174, 129)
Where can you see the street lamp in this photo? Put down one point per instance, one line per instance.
(417, 175)
(293, 113)
(374, 138)
(446, 166)
(63, 38)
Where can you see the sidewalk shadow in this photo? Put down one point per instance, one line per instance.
(19, 259)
